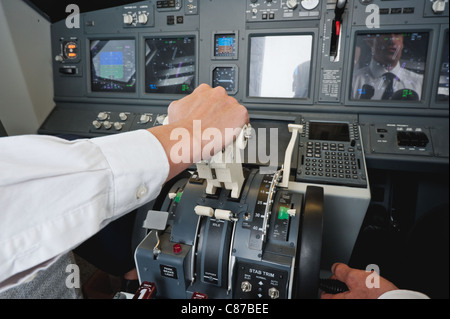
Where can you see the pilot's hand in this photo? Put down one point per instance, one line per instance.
(356, 282)
(215, 111)
(211, 105)
(200, 125)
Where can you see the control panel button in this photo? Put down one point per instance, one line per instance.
(123, 116)
(102, 116)
(97, 124)
(144, 119)
(107, 125)
(160, 119)
(118, 126)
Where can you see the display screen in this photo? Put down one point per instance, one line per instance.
(389, 66)
(442, 94)
(113, 66)
(225, 45)
(323, 131)
(170, 65)
(280, 66)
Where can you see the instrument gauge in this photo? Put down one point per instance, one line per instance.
(226, 77)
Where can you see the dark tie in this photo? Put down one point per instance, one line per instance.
(389, 81)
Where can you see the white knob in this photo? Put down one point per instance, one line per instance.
(438, 6)
(309, 4)
(102, 116)
(143, 18)
(145, 118)
(292, 4)
(107, 125)
(160, 119)
(127, 19)
(118, 126)
(59, 58)
(97, 124)
(123, 116)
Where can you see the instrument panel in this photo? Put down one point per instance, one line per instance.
(371, 63)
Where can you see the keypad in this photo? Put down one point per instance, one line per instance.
(331, 160)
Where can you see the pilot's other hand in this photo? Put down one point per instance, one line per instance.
(356, 281)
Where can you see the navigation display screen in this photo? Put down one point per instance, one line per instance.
(170, 65)
(280, 66)
(389, 66)
(113, 66)
(323, 131)
(225, 45)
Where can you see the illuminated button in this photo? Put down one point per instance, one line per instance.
(176, 249)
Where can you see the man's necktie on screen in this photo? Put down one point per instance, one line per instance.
(389, 81)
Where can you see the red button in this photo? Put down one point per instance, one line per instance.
(176, 249)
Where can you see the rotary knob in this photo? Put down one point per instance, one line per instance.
(142, 18)
(127, 19)
(123, 116)
(145, 118)
(97, 124)
(309, 4)
(118, 126)
(160, 119)
(438, 6)
(292, 4)
(102, 116)
(107, 125)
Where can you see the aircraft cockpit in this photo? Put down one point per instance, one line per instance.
(344, 159)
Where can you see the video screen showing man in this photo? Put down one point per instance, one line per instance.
(389, 66)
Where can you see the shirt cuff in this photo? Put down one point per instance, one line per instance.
(139, 167)
(403, 294)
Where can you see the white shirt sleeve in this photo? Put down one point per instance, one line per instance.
(55, 194)
(403, 294)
